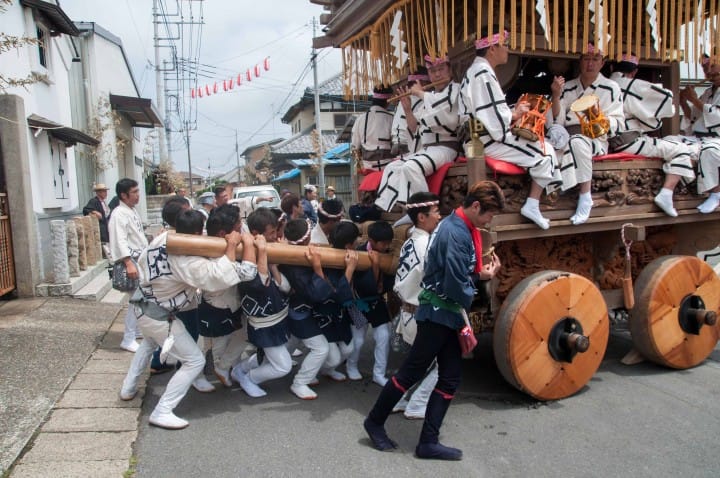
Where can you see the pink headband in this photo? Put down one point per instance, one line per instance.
(381, 96)
(592, 50)
(328, 215)
(491, 40)
(418, 78)
(422, 204)
(430, 61)
(305, 237)
(630, 58)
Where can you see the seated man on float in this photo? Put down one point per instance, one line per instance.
(405, 137)
(704, 125)
(482, 99)
(644, 105)
(438, 122)
(371, 132)
(576, 159)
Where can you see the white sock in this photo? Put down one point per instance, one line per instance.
(531, 210)
(664, 200)
(710, 204)
(582, 213)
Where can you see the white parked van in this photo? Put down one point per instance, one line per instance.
(249, 198)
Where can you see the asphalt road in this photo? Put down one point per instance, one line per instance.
(630, 421)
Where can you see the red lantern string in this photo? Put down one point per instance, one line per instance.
(229, 84)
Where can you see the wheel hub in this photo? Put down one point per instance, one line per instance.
(567, 340)
(693, 315)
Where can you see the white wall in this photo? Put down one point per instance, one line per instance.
(49, 99)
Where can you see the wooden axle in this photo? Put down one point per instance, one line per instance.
(205, 246)
(577, 342)
(703, 317)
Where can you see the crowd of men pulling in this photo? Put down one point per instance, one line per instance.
(230, 301)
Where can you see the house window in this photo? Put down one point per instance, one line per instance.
(42, 37)
(340, 119)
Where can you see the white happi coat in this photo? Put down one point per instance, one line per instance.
(172, 281)
(644, 106)
(127, 236)
(704, 129)
(408, 277)
(482, 98)
(317, 236)
(438, 122)
(371, 133)
(576, 161)
(401, 134)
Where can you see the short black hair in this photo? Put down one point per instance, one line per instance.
(420, 197)
(330, 206)
(172, 207)
(222, 218)
(260, 219)
(625, 67)
(124, 186)
(219, 190)
(295, 229)
(344, 234)
(380, 231)
(190, 221)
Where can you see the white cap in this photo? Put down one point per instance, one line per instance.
(310, 187)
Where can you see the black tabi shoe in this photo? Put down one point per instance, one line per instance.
(437, 451)
(377, 435)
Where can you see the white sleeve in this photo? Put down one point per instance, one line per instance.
(212, 275)
(118, 230)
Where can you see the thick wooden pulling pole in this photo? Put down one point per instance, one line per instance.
(190, 245)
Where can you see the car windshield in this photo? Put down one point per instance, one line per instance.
(244, 194)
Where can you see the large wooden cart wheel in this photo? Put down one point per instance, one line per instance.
(551, 334)
(674, 321)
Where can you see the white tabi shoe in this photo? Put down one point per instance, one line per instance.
(202, 385)
(127, 395)
(303, 392)
(130, 346)
(335, 375)
(224, 376)
(353, 373)
(250, 387)
(380, 380)
(167, 420)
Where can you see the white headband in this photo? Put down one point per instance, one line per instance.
(328, 215)
(307, 234)
(422, 204)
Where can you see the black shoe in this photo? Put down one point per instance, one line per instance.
(378, 436)
(437, 451)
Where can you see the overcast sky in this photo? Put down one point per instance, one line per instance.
(236, 35)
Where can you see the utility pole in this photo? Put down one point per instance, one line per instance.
(237, 157)
(159, 91)
(187, 141)
(168, 131)
(321, 149)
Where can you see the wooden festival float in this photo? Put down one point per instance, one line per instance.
(552, 301)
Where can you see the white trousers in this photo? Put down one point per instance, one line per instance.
(338, 352)
(131, 325)
(676, 154)
(381, 335)
(708, 164)
(312, 363)
(184, 350)
(404, 177)
(539, 160)
(227, 349)
(419, 397)
(277, 363)
(576, 161)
